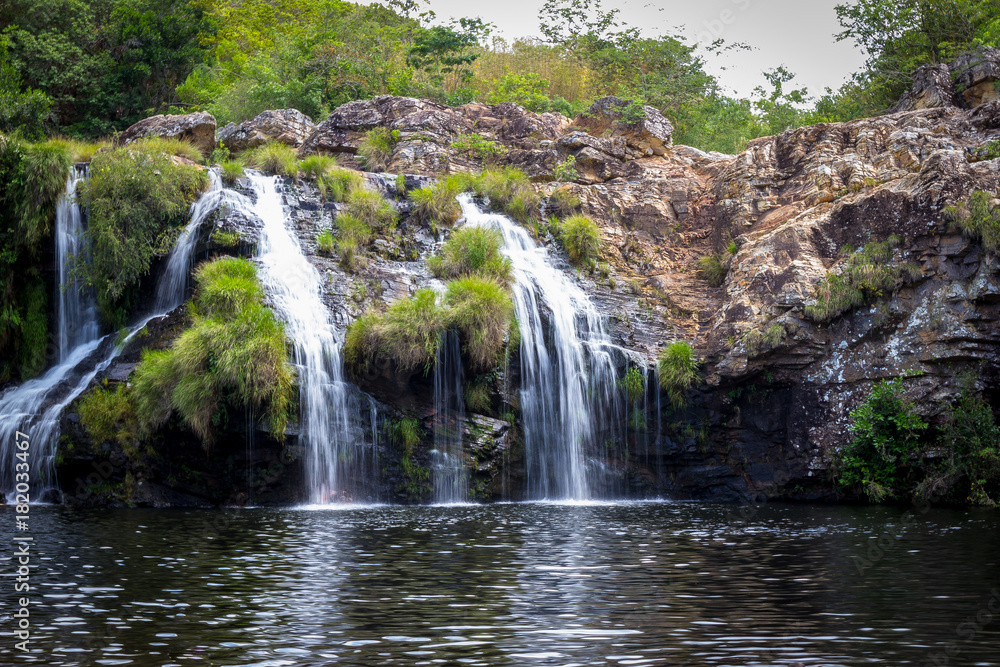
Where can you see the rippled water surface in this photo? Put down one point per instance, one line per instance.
(520, 584)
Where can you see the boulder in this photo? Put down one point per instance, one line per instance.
(976, 75)
(646, 134)
(288, 126)
(198, 128)
(932, 87)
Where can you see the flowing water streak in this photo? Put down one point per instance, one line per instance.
(568, 377)
(34, 408)
(450, 478)
(331, 425)
(77, 303)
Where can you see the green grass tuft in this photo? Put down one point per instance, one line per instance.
(581, 238)
(274, 158)
(168, 146)
(711, 269)
(372, 208)
(678, 370)
(232, 171)
(435, 204)
(406, 334)
(472, 251)
(482, 311)
(375, 150)
(978, 219)
(325, 242)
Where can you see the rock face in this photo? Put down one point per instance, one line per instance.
(288, 126)
(967, 82)
(198, 128)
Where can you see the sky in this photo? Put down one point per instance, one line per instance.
(794, 33)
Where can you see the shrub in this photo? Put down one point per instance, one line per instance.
(978, 219)
(678, 370)
(137, 203)
(168, 146)
(566, 170)
(581, 238)
(477, 398)
(274, 158)
(972, 438)
(36, 191)
(866, 274)
(232, 170)
(435, 203)
(481, 310)
(565, 202)
(375, 150)
(325, 242)
(109, 416)
(371, 208)
(886, 432)
(634, 385)
(407, 334)
(477, 146)
(711, 268)
(472, 251)
(234, 354)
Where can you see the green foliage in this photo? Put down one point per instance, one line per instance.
(529, 90)
(865, 275)
(169, 146)
(472, 252)
(435, 204)
(566, 170)
(508, 190)
(354, 229)
(440, 50)
(484, 150)
(375, 150)
(566, 203)
(678, 371)
(274, 158)
(581, 238)
(315, 166)
(973, 441)
(34, 328)
(334, 184)
(226, 239)
(633, 384)
(477, 398)
(711, 268)
(372, 208)
(758, 341)
(137, 203)
(325, 242)
(401, 184)
(21, 110)
(886, 432)
(407, 334)
(232, 171)
(405, 433)
(481, 310)
(109, 416)
(233, 356)
(733, 248)
(979, 219)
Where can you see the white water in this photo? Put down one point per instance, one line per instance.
(449, 475)
(568, 376)
(331, 427)
(36, 406)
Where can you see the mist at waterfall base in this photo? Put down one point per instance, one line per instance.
(512, 583)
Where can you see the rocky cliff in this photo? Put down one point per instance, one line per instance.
(729, 252)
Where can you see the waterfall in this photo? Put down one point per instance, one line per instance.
(82, 353)
(77, 316)
(450, 478)
(332, 412)
(568, 376)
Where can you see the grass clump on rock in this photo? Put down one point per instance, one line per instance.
(333, 183)
(979, 219)
(711, 269)
(372, 208)
(234, 355)
(375, 150)
(232, 170)
(168, 146)
(581, 238)
(137, 203)
(472, 251)
(436, 203)
(481, 309)
(510, 191)
(274, 158)
(407, 334)
(678, 371)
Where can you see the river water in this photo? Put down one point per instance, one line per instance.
(518, 584)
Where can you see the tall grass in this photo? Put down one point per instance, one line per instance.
(169, 146)
(436, 203)
(371, 208)
(407, 334)
(978, 219)
(274, 158)
(678, 370)
(375, 150)
(581, 238)
(472, 251)
(482, 311)
(232, 170)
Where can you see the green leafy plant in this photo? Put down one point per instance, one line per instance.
(375, 150)
(566, 170)
(633, 384)
(226, 239)
(678, 371)
(108, 415)
(168, 146)
(978, 219)
(510, 191)
(485, 150)
(325, 242)
(477, 398)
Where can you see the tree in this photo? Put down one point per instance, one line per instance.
(565, 21)
(439, 50)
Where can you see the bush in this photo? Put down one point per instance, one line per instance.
(371, 208)
(972, 439)
(375, 150)
(234, 355)
(274, 158)
(472, 251)
(581, 238)
(712, 269)
(481, 310)
(474, 145)
(634, 385)
(678, 370)
(566, 170)
(232, 171)
(978, 219)
(866, 275)
(886, 432)
(407, 334)
(80, 150)
(436, 204)
(137, 204)
(325, 242)
(35, 191)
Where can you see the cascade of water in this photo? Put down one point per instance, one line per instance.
(568, 378)
(21, 408)
(332, 418)
(77, 303)
(450, 479)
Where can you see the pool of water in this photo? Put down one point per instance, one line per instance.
(519, 584)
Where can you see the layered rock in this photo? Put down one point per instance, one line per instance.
(197, 128)
(287, 126)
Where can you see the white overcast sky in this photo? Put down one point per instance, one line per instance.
(794, 33)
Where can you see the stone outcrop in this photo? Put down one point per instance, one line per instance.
(287, 126)
(967, 82)
(198, 128)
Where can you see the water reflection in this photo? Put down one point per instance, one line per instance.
(540, 584)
